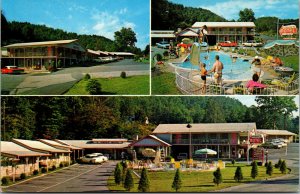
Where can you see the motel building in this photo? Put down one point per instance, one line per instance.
(229, 140)
(37, 56)
(162, 35)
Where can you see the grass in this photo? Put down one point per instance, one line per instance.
(164, 84)
(201, 181)
(134, 85)
(291, 61)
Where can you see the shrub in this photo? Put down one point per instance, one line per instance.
(269, 170)
(144, 184)
(254, 170)
(158, 57)
(35, 172)
(118, 174)
(43, 170)
(166, 53)
(61, 165)
(123, 74)
(93, 87)
(217, 176)
(233, 162)
(283, 167)
(128, 183)
(238, 174)
(5, 180)
(87, 77)
(66, 164)
(278, 165)
(53, 167)
(177, 182)
(23, 176)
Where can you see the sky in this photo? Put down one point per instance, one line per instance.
(229, 9)
(100, 17)
(250, 100)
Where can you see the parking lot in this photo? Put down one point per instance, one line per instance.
(76, 178)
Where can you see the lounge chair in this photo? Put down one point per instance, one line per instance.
(284, 83)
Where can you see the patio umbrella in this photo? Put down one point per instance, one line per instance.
(206, 151)
(282, 47)
(149, 152)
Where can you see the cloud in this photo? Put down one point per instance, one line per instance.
(76, 8)
(106, 24)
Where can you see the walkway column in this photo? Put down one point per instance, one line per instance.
(218, 151)
(47, 163)
(69, 154)
(26, 166)
(74, 154)
(229, 152)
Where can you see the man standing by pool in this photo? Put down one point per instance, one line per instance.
(217, 69)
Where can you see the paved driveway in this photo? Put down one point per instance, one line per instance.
(59, 82)
(77, 178)
(287, 183)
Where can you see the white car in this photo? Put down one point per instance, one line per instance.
(277, 144)
(252, 43)
(94, 158)
(280, 141)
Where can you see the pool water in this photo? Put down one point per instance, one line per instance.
(238, 70)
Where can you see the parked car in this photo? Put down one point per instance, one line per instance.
(94, 158)
(12, 70)
(279, 141)
(163, 44)
(227, 44)
(252, 43)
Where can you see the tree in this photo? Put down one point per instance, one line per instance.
(246, 15)
(278, 165)
(118, 174)
(214, 112)
(238, 174)
(254, 170)
(269, 170)
(93, 87)
(128, 183)
(144, 184)
(147, 50)
(177, 182)
(217, 177)
(125, 38)
(283, 167)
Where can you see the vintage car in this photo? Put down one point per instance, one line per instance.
(12, 70)
(227, 44)
(163, 44)
(252, 43)
(94, 158)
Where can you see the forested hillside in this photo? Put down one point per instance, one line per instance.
(170, 16)
(98, 117)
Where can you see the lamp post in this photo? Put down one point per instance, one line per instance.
(189, 126)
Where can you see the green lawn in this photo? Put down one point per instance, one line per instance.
(134, 85)
(196, 181)
(164, 84)
(291, 61)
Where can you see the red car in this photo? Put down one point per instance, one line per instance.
(227, 44)
(12, 70)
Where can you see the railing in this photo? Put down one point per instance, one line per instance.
(187, 85)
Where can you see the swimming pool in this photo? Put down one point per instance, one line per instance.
(238, 70)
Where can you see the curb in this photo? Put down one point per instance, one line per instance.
(5, 187)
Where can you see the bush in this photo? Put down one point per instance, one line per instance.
(238, 174)
(5, 180)
(23, 176)
(269, 170)
(217, 177)
(123, 74)
(43, 170)
(35, 172)
(128, 183)
(278, 165)
(158, 57)
(233, 162)
(61, 165)
(254, 170)
(118, 174)
(177, 182)
(93, 87)
(283, 167)
(144, 184)
(87, 77)
(53, 167)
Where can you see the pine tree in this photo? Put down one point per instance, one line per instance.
(177, 182)
(118, 174)
(128, 183)
(283, 167)
(254, 170)
(269, 170)
(217, 176)
(238, 174)
(144, 184)
(278, 165)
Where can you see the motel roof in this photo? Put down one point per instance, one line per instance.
(38, 146)
(15, 150)
(110, 140)
(58, 145)
(187, 32)
(275, 132)
(71, 44)
(88, 144)
(223, 24)
(204, 128)
(97, 52)
(149, 140)
(121, 53)
(162, 34)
